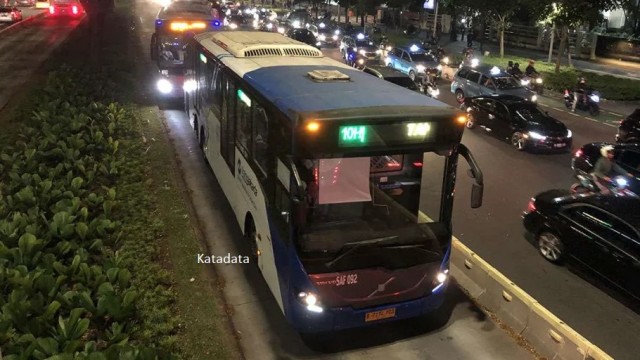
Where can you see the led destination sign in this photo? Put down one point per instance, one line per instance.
(383, 134)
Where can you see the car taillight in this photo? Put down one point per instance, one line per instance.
(578, 153)
(52, 10)
(417, 164)
(74, 9)
(531, 207)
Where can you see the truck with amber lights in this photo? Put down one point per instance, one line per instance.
(345, 197)
(174, 24)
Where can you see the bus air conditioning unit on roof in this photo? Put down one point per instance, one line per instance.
(328, 75)
(276, 51)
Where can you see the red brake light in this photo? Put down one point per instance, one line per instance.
(74, 9)
(52, 10)
(417, 164)
(578, 153)
(531, 207)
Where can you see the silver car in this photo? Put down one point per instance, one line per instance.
(487, 80)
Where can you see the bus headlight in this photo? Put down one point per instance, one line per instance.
(311, 301)
(164, 86)
(441, 277)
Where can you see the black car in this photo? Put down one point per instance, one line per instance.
(237, 21)
(518, 121)
(359, 49)
(391, 75)
(629, 129)
(303, 35)
(625, 155)
(599, 231)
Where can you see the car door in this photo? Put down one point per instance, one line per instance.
(588, 232)
(624, 248)
(405, 62)
(472, 87)
(501, 121)
(483, 107)
(486, 85)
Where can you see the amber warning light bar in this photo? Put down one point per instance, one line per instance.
(184, 26)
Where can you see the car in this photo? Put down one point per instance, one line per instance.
(597, 230)
(485, 80)
(71, 8)
(298, 18)
(519, 121)
(629, 128)
(625, 155)
(10, 14)
(237, 21)
(25, 2)
(359, 49)
(304, 36)
(414, 61)
(391, 75)
(328, 35)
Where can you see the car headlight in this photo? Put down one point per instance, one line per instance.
(337, 32)
(322, 37)
(378, 52)
(389, 48)
(569, 133)
(536, 135)
(435, 92)
(420, 68)
(538, 80)
(534, 98)
(335, 37)
(362, 52)
(164, 86)
(475, 62)
(296, 23)
(360, 61)
(439, 67)
(595, 98)
(311, 301)
(269, 26)
(233, 26)
(318, 43)
(281, 30)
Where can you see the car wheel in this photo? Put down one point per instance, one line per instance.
(459, 96)
(517, 140)
(412, 75)
(471, 122)
(550, 246)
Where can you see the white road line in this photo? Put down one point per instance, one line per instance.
(544, 105)
(555, 108)
(574, 114)
(592, 119)
(616, 114)
(613, 126)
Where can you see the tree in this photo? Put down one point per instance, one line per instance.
(565, 14)
(631, 10)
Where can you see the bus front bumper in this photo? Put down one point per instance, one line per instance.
(334, 319)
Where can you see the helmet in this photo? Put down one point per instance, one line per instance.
(516, 65)
(582, 80)
(606, 149)
(510, 63)
(532, 62)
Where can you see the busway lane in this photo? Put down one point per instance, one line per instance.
(460, 331)
(24, 50)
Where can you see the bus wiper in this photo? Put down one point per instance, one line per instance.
(356, 245)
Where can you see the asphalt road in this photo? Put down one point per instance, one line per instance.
(496, 233)
(26, 12)
(23, 50)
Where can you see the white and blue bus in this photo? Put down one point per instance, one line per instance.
(341, 182)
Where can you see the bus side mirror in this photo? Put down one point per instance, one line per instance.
(477, 188)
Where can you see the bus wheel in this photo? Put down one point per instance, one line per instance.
(251, 237)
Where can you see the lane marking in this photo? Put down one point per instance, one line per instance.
(570, 113)
(616, 114)
(613, 126)
(592, 119)
(545, 105)
(555, 108)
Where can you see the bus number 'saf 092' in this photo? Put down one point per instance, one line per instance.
(345, 197)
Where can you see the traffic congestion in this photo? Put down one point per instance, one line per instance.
(554, 190)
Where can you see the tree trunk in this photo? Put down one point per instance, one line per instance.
(502, 42)
(563, 46)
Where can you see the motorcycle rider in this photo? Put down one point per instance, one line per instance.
(530, 71)
(579, 93)
(510, 67)
(605, 168)
(516, 71)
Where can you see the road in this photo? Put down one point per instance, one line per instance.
(496, 233)
(460, 331)
(26, 13)
(23, 50)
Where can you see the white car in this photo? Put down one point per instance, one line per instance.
(10, 14)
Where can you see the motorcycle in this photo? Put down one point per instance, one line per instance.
(429, 88)
(587, 184)
(591, 105)
(533, 83)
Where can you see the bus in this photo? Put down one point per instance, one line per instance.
(342, 183)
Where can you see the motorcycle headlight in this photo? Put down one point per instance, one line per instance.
(296, 23)
(475, 62)
(539, 81)
(269, 25)
(337, 32)
(534, 98)
(360, 61)
(335, 37)
(524, 82)
(233, 26)
(322, 37)
(439, 67)
(389, 48)
(536, 135)
(445, 60)
(318, 43)
(362, 52)
(435, 92)
(281, 30)
(378, 52)
(421, 68)
(569, 133)
(621, 182)
(595, 98)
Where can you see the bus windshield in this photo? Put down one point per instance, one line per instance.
(351, 200)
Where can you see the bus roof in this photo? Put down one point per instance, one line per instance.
(285, 80)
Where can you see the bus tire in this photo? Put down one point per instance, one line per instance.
(251, 237)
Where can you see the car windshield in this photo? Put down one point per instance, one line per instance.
(348, 200)
(506, 82)
(324, 31)
(403, 81)
(422, 57)
(304, 36)
(531, 113)
(364, 43)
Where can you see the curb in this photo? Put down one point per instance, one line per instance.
(496, 295)
(22, 23)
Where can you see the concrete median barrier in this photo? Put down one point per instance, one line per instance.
(495, 294)
(22, 23)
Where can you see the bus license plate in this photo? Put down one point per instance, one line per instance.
(379, 315)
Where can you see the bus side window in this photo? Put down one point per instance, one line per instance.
(228, 123)
(244, 123)
(216, 100)
(260, 137)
